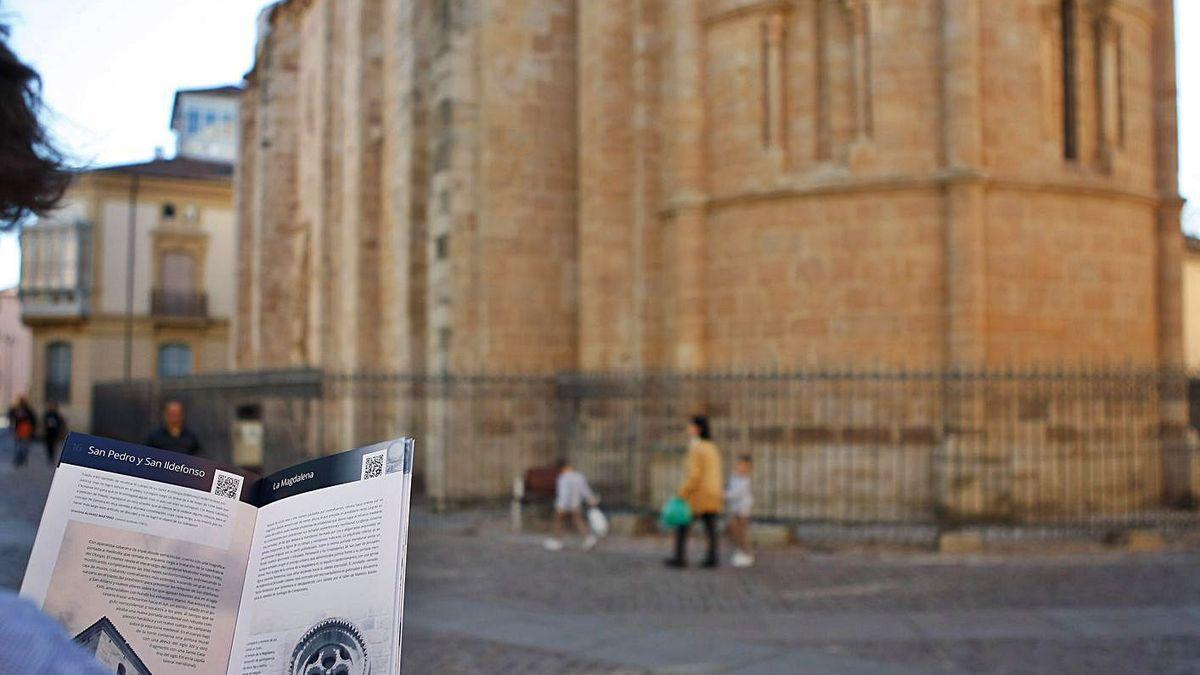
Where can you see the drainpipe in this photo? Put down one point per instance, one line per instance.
(129, 260)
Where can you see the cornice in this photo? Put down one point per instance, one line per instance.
(800, 189)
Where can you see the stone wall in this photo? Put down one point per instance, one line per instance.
(477, 185)
(536, 186)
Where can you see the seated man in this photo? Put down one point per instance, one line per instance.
(172, 435)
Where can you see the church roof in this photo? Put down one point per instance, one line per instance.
(103, 625)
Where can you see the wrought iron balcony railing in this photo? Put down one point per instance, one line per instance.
(165, 302)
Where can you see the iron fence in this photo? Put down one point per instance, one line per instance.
(286, 401)
(887, 449)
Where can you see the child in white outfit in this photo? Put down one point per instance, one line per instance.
(571, 492)
(739, 501)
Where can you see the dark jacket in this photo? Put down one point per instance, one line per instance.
(22, 415)
(186, 442)
(53, 425)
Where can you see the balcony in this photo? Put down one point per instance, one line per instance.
(56, 264)
(170, 303)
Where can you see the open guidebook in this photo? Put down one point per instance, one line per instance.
(163, 563)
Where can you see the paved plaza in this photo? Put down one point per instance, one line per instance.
(482, 600)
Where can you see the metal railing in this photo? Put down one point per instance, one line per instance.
(174, 303)
(1088, 449)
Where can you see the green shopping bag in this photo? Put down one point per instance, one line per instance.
(676, 513)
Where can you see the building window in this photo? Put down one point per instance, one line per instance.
(176, 293)
(120, 669)
(441, 154)
(210, 118)
(193, 121)
(178, 272)
(58, 372)
(1070, 101)
(444, 17)
(168, 210)
(441, 246)
(446, 113)
(174, 360)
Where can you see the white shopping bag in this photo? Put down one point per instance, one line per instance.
(597, 522)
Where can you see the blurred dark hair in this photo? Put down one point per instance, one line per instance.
(32, 175)
(561, 463)
(701, 423)
(746, 458)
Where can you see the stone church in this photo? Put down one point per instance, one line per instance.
(543, 185)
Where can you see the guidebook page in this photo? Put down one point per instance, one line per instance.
(323, 585)
(141, 555)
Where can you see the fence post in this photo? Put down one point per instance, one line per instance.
(514, 509)
(1177, 445)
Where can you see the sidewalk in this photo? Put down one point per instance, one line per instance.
(750, 642)
(634, 642)
(618, 610)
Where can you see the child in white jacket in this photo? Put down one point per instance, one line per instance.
(571, 494)
(739, 501)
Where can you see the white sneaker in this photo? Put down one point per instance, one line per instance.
(742, 559)
(552, 545)
(589, 542)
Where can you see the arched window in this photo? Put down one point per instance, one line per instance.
(174, 360)
(58, 372)
(1069, 41)
(120, 669)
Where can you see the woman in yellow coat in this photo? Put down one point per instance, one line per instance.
(701, 488)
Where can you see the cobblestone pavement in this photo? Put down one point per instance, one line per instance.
(981, 614)
(429, 652)
(22, 495)
(480, 600)
(629, 579)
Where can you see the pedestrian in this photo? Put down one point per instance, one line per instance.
(23, 422)
(739, 501)
(701, 489)
(571, 492)
(173, 435)
(54, 427)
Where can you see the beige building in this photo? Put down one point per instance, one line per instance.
(205, 122)
(134, 276)
(15, 348)
(538, 185)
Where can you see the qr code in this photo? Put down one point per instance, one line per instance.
(228, 485)
(373, 464)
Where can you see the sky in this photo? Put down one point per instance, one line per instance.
(110, 68)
